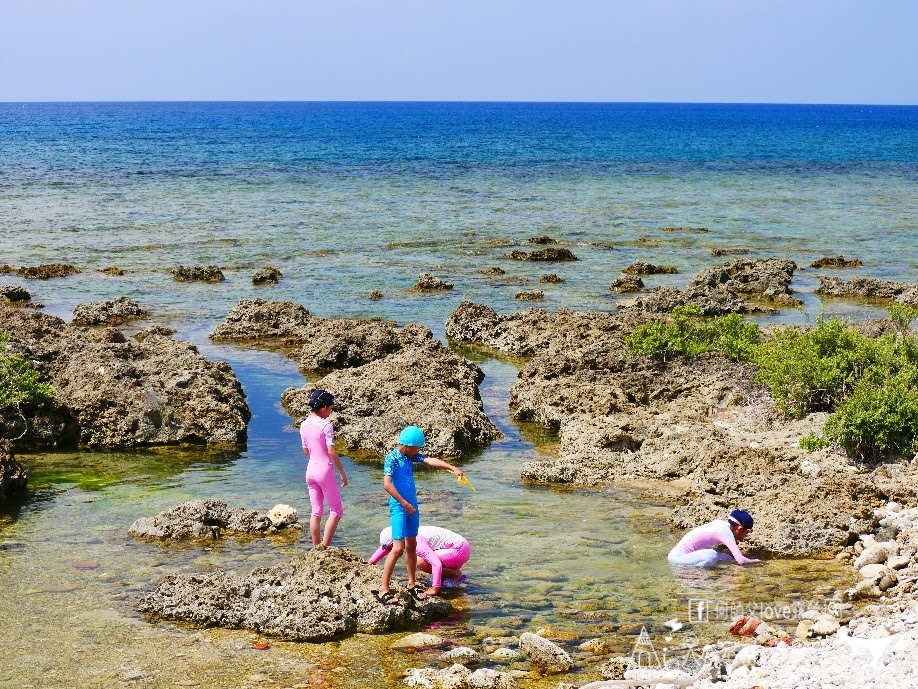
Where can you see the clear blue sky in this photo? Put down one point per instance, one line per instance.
(777, 51)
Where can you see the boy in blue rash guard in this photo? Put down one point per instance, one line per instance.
(398, 481)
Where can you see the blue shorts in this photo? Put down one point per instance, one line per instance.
(403, 524)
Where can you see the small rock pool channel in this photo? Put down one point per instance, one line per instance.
(585, 563)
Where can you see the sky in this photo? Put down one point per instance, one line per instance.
(760, 51)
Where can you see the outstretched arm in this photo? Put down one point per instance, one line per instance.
(733, 547)
(440, 464)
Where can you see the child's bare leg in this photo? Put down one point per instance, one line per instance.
(330, 527)
(411, 558)
(389, 566)
(314, 524)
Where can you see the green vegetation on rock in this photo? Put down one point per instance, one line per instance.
(19, 380)
(869, 384)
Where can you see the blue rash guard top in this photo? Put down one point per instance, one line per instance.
(401, 469)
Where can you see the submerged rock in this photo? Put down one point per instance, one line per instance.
(431, 283)
(642, 268)
(729, 250)
(545, 654)
(322, 594)
(212, 519)
(267, 276)
(111, 392)
(46, 271)
(111, 312)
(836, 262)
(550, 254)
(197, 274)
(544, 239)
(869, 288)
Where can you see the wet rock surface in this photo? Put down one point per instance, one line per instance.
(626, 283)
(13, 477)
(551, 279)
(111, 392)
(431, 283)
(728, 250)
(869, 288)
(727, 289)
(14, 294)
(702, 422)
(533, 295)
(267, 276)
(552, 253)
(111, 312)
(212, 519)
(47, 271)
(836, 262)
(642, 268)
(383, 377)
(197, 274)
(323, 594)
(424, 384)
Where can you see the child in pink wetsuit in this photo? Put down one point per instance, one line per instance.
(440, 552)
(318, 438)
(697, 546)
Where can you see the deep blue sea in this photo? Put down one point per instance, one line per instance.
(348, 198)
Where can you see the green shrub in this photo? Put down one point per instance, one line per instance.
(813, 441)
(902, 315)
(812, 370)
(879, 416)
(19, 381)
(689, 333)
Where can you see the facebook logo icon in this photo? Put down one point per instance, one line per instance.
(698, 610)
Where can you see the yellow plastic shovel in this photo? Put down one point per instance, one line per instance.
(463, 479)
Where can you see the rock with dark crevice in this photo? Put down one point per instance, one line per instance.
(626, 283)
(14, 294)
(837, 262)
(869, 288)
(208, 519)
(112, 312)
(13, 477)
(644, 268)
(431, 283)
(47, 271)
(267, 276)
(197, 274)
(552, 253)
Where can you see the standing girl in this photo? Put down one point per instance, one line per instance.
(318, 437)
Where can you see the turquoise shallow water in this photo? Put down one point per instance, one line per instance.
(350, 198)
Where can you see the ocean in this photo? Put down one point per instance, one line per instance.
(350, 198)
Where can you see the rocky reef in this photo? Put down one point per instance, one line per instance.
(323, 594)
(869, 288)
(383, 377)
(111, 312)
(113, 392)
(212, 519)
(197, 274)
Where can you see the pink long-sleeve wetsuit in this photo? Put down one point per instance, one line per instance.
(318, 435)
(697, 546)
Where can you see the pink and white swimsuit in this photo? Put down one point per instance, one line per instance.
(437, 546)
(317, 435)
(697, 546)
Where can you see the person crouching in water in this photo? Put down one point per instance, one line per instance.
(398, 482)
(441, 553)
(697, 546)
(318, 438)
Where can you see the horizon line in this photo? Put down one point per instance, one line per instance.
(455, 102)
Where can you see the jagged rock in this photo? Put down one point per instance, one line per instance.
(322, 594)
(544, 654)
(642, 268)
(430, 283)
(530, 296)
(626, 283)
(159, 330)
(13, 477)
(424, 384)
(46, 271)
(614, 668)
(542, 240)
(550, 254)
(463, 655)
(13, 293)
(869, 288)
(266, 276)
(197, 274)
(872, 555)
(551, 278)
(685, 229)
(109, 392)
(112, 270)
(211, 519)
(836, 262)
(111, 312)
(729, 250)
(376, 295)
(281, 323)
(492, 271)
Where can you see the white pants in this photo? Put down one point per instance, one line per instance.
(697, 558)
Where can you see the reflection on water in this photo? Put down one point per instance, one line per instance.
(585, 563)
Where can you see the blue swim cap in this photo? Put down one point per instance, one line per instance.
(412, 435)
(741, 518)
